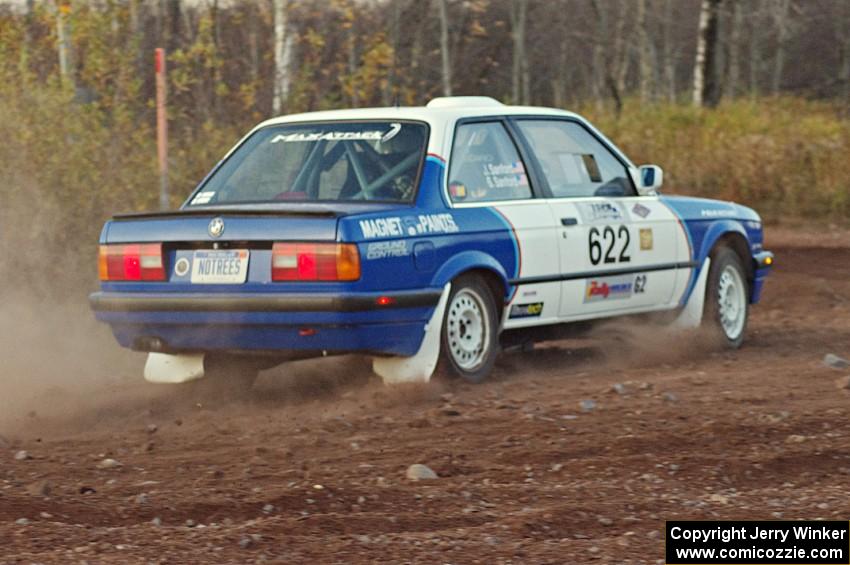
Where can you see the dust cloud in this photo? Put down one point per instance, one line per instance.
(56, 361)
(637, 342)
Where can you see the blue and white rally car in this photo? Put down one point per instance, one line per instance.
(421, 237)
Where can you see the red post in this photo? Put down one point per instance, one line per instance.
(161, 128)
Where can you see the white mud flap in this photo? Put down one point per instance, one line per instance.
(174, 369)
(691, 315)
(417, 368)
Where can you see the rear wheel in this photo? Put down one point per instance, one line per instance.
(469, 342)
(727, 300)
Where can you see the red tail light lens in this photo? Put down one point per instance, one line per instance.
(315, 262)
(131, 262)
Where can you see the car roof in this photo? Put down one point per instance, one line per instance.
(439, 110)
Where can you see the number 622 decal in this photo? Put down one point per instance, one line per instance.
(611, 245)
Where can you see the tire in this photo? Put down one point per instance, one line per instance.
(226, 377)
(727, 304)
(469, 342)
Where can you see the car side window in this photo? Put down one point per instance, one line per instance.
(574, 162)
(485, 165)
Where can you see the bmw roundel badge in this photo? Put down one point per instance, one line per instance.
(216, 227)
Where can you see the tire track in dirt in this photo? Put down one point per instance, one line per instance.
(525, 474)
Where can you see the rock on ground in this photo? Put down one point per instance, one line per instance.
(419, 472)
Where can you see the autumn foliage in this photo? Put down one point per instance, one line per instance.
(77, 148)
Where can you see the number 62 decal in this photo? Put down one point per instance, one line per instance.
(608, 239)
(640, 284)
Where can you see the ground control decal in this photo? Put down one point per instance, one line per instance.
(423, 224)
(386, 249)
(526, 310)
(597, 212)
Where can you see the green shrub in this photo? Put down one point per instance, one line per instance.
(786, 157)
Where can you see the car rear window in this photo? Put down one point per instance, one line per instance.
(334, 161)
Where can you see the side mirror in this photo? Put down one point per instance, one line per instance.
(650, 178)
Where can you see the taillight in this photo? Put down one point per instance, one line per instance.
(131, 262)
(315, 262)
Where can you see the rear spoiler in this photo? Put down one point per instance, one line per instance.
(334, 210)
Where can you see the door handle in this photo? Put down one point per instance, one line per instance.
(569, 222)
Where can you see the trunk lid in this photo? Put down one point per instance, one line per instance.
(260, 223)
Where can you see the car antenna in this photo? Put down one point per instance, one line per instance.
(396, 100)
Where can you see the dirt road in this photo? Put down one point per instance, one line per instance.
(312, 468)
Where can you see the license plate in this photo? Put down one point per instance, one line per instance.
(220, 267)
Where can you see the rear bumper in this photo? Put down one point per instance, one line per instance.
(283, 323)
(301, 302)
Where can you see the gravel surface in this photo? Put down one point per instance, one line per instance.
(575, 452)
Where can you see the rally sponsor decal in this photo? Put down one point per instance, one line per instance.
(717, 213)
(423, 224)
(381, 227)
(203, 197)
(363, 135)
(609, 288)
(526, 310)
(593, 212)
(614, 288)
(386, 249)
(646, 240)
(434, 223)
(457, 190)
(641, 210)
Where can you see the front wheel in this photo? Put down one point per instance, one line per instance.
(469, 341)
(727, 300)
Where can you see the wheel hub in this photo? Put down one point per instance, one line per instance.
(731, 301)
(467, 329)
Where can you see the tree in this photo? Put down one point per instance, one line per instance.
(519, 73)
(754, 47)
(668, 49)
(282, 55)
(645, 65)
(615, 58)
(780, 16)
(705, 87)
(732, 48)
(842, 36)
(63, 36)
(444, 47)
